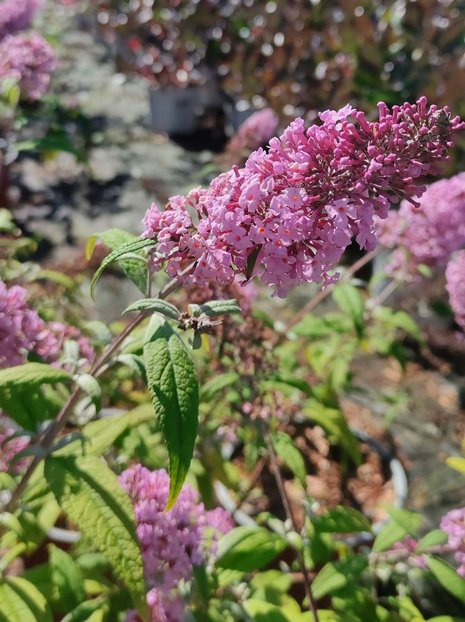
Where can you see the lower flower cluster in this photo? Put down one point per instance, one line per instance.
(172, 542)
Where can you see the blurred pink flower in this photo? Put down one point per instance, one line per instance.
(17, 15)
(23, 331)
(255, 132)
(29, 60)
(455, 283)
(453, 524)
(10, 448)
(172, 542)
(429, 235)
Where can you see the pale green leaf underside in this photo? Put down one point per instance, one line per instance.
(131, 246)
(92, 498)
(99, 435)
(21, 601)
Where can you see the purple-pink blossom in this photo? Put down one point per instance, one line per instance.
(65, 332)
(172, 542)
(455, 283)
(288, 215)
(255, 132)
(28, 60)
(453, 524)
(429, 235)
(17, 15)
(10, 448)
(23, 331)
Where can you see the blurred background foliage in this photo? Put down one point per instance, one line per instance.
(298, 56)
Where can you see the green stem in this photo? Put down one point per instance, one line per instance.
(288, 510)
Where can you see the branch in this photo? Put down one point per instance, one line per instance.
(49, 435)
(290, 517)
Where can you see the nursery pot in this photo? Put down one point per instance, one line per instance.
(177, 110)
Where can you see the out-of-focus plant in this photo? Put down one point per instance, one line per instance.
(31, 119)
(297, 56)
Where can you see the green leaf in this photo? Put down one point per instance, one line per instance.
(262, 611)
(291, 456)
(337, 575)
(458, 464)
(292, 381)
(68, 579)
(55, 140)
(84, 611)
(21, 601)
(410, 521)
(403, 523)
(342, 520)
(251, 261)
(389, 534)
(99, 331)
(156, 306)
(249, 548)
(217, 384)
(335, 425)
(408, 611)
(56, 277)
(270, 580)
(432, 539)
(91, 496)
(173, 385)
(24, 396)
(215, 308)
(445, 619)
(404, 321)
(90, 386)
(31, 375)
(316, 327)
(98, 436)
(7, 224)
(129, 265)
(349, 300)
(447, 576)
(133, 269)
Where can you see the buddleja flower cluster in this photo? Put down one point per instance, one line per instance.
(455, 283)
(255, 132)
(172, 542)
(17, 15)
(289, 213)
(23, 331)
(427, 236)
(453, 524)
(28, 60)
